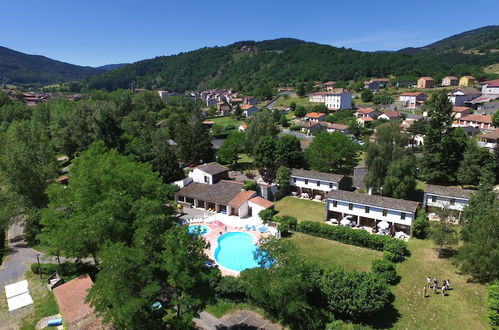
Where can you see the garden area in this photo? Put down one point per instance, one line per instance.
(301, 209)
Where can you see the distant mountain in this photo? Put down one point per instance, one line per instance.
(20, 68)
(251, 66)
(478, 41)
(109, 67)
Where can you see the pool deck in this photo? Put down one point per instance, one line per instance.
(219, 228)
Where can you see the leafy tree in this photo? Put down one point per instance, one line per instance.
(250, 185)
(190, 283)
(495, 119)
(366, 95)
(292, 105)
(301, 90)
(444, 145)
(231, 148)
(382, 97)
(282, 179)
(443, 232)
(288, 151)
(493, 304)
(260, 125)
(421, 225)
(475, 161)
(300, 111)
(238, 112)
(125, 288)
(332, 153)
(478, 255)
(194, 143)
(385, 269)
(283, 121)
(400, 180)
(356, 129)
(320, 108)
(265, 154)
(110, 198)
(165, 161)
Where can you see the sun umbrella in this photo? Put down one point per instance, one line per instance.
(383, 225)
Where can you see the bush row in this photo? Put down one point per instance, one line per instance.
(392, 247)
(66, 269)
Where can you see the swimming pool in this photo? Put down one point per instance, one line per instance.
(235, 251)
(203, 229)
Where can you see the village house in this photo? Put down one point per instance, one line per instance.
(450, 81)
(367, 112)
(483, 122)
(329, 85)
(390, 115)
(369, 210)
(489, 140)
(412, 99)
(315, 116)
(426, 82)
(223, 109)
(491, 88)
(317, 97)
(75, 312)
(333, 127)
(250, 100)
(459, 112)
(338, 100)
(365, 121)
(310, 127)
(316, 183)
(463, 95)
(448, 197)
(249, 110)
(372, 85)
(467, 81)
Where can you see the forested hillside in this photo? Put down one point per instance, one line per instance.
(20, 68)
(249, 65)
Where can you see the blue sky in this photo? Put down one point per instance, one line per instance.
(90, 32)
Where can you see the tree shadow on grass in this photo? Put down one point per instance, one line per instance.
(384, 319)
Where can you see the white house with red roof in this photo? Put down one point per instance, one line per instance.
(390, 115)
(491, 87)
(249, 110)
(367, 112)
(315, 116)
(483, 122)
(412, 99)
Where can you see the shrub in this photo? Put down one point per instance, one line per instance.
(286, 219)
(421, 225)
(283, 228)
(354, 237)
(230, 288)
(266, 215)
(295, 127)
(68, 270)
(385, 269)
(493, 304)
(250, 185)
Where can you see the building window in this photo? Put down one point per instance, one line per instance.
(367, 209)
(350, 206)
(294, 180)
(306, 181)
(335, 203)
(385, 212)
(206, 179)
(402, 216)
(452, 201)
(330, 186)
(433, 199)
(318, 183)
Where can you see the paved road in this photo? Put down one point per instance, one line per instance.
(298, 135)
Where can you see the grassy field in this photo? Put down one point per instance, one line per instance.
(226, 120)
(224, 307)
(300, 101)
(331, 253)
(494, 68)
(463, 308)
(302, 209)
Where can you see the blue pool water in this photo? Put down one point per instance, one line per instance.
(235, 251)
(203, 229)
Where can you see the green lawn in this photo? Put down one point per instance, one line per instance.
(332, 253)
(224, 307)
(302, 209)
(226, 120)
(303, 101)
(463, 308)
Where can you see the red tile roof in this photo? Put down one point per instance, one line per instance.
(366, 119)
(411, 94)
(460, 109)
(477, 118)
(391, 113)
(241, 198)
(247, 106)
(365, 110)
(494, 135)
(71, 299)
(262, 202)
(426, 78)
(315, 115)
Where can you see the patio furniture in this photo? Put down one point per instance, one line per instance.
(253, 228)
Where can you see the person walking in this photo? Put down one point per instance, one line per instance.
(425, 291)
(448, 284)
(428, 281)
(443, 290)
(435, 286)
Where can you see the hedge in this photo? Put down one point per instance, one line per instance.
(66, 269)
(354, 237)
(493, 304)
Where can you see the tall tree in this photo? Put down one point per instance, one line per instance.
(332, 153)
(444, 145)
(283, 178)
(366, 95)
(475, 161)
(400, 180)
(289, 151)
(443, 232)
(266, 158)
(231, 148)
(194, 143)
(260, 125)
(479, 254)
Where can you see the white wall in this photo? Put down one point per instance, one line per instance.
(339, 101)
(255, 209)
(442, 201)
(199, 176)
(374, 212)
(490, 90)
(312, 184)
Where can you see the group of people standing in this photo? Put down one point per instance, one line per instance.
(432, 284)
